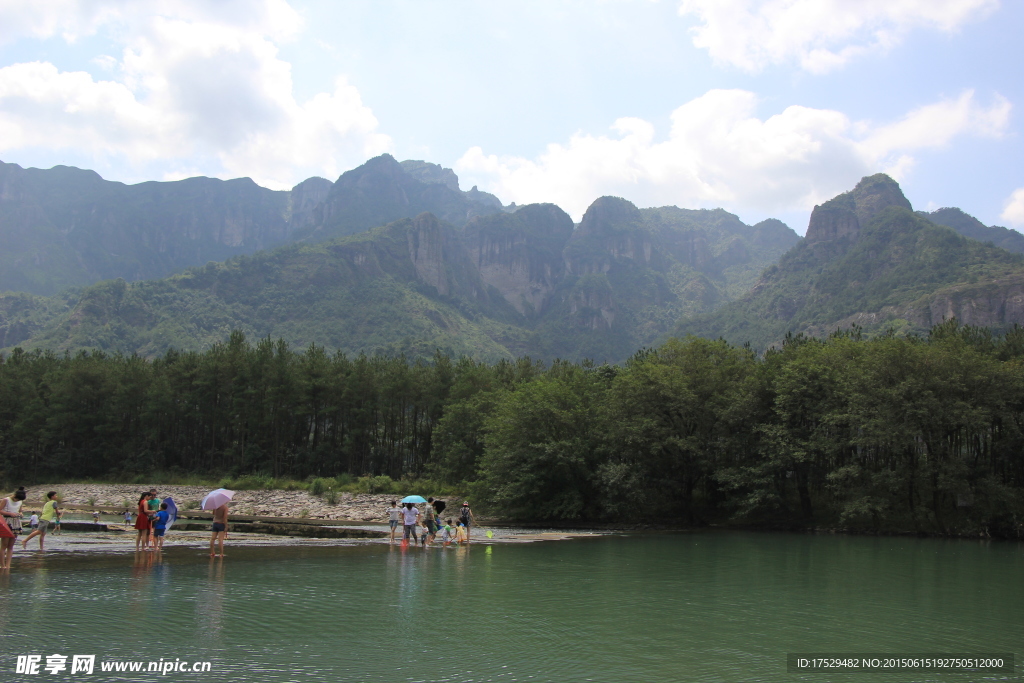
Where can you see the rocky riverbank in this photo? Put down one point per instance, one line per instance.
(114, 498)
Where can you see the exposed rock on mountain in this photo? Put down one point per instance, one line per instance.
(497, 287)
(381, 191)
(67, 227)
(304, 199)
(426, 172)
(836, 224)
(631, 274)
(520, 254)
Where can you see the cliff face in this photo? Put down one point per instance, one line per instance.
(520, 254)
(428, 251)
(303, 200)
(65, 226)
(612, 231)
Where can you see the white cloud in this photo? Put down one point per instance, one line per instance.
(718, 152)
(820, 35)
(1013, 211)
(194, 87)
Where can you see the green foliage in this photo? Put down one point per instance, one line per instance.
(379, 484)
(881, 433)
(540, 456)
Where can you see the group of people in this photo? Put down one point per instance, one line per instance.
(151, 522)
(430, 519)
(153, 518)
(11, 523)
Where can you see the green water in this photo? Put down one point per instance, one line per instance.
(681, 607)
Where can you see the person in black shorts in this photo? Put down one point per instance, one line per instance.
(219, 529)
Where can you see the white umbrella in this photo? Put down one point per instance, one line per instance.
(214, 499)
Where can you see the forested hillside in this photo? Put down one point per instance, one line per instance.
(500, 286)
(891, 433)
(869, 260)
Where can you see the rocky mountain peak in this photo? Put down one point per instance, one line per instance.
(375, 172)
(875, 193)
(842, 217)
(426, 172)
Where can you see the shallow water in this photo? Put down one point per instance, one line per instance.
(673, 607)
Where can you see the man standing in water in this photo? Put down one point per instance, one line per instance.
(219, 528)
(410, 514)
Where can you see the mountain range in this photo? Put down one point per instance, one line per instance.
(393, 257)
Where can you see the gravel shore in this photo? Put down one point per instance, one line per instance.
(359, 507)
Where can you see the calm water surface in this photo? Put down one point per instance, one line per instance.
(681, 607)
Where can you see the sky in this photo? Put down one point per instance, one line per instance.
(765, 108)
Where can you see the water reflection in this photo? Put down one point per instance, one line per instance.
(209, 609)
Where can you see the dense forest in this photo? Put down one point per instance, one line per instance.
(888, 433)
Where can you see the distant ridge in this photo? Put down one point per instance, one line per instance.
(969, 226)
(503, 284)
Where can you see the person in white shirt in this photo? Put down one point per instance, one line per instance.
(410, 516)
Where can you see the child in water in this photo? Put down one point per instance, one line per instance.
(461, 535)
(160, 526)
(446, 532)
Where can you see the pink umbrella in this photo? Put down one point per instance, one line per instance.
(214, 499)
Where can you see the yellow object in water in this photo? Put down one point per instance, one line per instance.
(490, 534)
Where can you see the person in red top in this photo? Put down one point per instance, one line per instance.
(8, 537)
(142, 524)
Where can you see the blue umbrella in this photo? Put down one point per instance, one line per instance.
(172, 510)
(414, 499)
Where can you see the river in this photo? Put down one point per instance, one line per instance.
(713, 606)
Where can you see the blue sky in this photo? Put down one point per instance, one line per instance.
(764, 108)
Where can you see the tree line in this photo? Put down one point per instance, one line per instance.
(908, 433)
